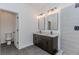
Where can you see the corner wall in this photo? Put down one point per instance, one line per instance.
(27, 22)
(70, 37)
(27, 25)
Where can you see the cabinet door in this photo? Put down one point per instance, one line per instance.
(55, 43)
(50, 45)
(40, 41)
(35, 39)
(45, 43)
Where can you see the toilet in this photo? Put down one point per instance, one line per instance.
(8, 37)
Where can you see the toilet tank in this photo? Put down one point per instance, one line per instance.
(8, 36)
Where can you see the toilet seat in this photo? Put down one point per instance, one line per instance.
(8, 37)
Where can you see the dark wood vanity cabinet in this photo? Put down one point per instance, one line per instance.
(49, 44)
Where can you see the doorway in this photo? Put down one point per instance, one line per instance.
(9, 28)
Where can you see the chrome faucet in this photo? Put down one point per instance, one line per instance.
(40, 31)
(51, 32)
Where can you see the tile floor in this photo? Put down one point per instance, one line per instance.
(12, 50)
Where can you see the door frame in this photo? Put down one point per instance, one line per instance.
(17, 25)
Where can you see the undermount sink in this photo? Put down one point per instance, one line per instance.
(54, 34)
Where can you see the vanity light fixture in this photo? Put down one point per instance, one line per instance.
(41, 15)
(53, 11)
(49, 12)
(38, 18)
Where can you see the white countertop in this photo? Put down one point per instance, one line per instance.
(46, 34)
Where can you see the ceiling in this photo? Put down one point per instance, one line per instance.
(42, 7)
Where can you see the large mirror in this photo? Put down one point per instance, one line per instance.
(49, 22)
(52, 22)
(41, 23)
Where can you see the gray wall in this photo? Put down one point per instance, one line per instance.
(70, 37)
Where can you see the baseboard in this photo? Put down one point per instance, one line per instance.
(60, 52)
(21, 47)
(3, 42)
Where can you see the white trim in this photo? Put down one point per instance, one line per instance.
(60, 52)
(1, 9)
(24, 46)
(16, 13)
(59, 39)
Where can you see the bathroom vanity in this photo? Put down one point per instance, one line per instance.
(48, 43)
(48, 35)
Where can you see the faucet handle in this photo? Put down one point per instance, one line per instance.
(40, 31)
(51, 32)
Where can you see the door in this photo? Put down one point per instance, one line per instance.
(45, 44)
(35, 39)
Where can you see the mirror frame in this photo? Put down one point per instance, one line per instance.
(45, 22)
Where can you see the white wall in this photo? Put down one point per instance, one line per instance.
(27, 22)
(70, 37)
(27, 25)
(43, 7)
(27, 19)
(0, 31)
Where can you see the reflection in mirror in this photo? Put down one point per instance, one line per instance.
(41, 23)
(52, 22)
(49, 22)
(49, 25)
